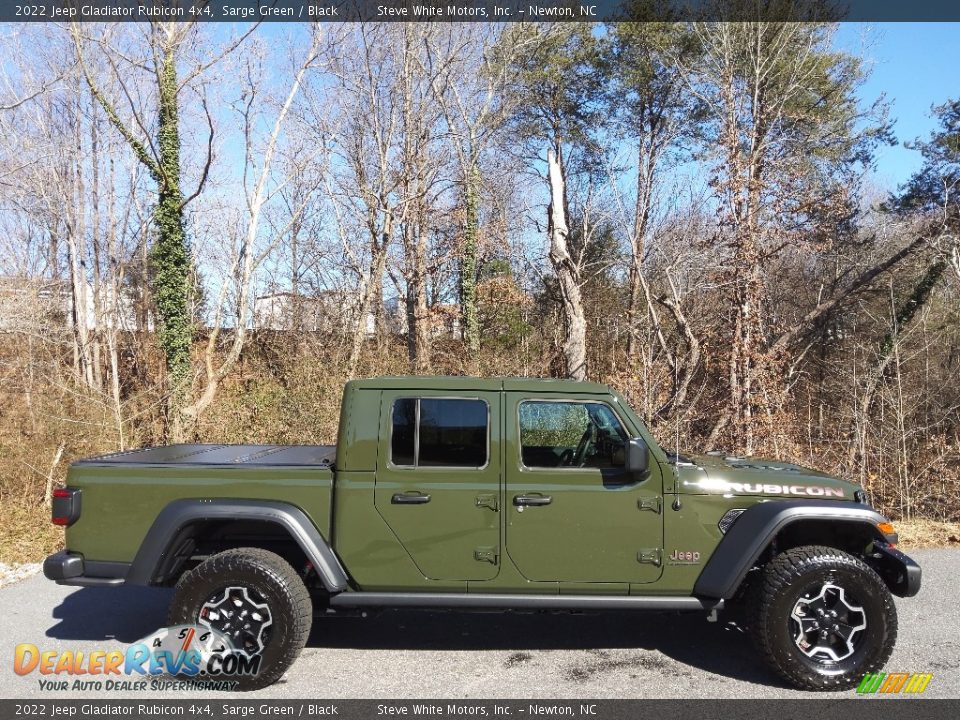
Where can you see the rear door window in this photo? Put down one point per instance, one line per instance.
(440, 432)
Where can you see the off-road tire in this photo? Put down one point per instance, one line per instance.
(785, 580)
(275, 581)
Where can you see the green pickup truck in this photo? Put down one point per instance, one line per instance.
(456, 492)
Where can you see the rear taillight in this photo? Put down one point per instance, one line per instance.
(65, 509)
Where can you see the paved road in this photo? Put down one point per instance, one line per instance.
(486, 656)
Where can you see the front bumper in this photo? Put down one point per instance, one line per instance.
(67, 568)
(900, 572)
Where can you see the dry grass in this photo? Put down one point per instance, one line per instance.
(26, 533)
(286, 393)
(927, 533)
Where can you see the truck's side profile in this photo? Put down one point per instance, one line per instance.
(506, 493)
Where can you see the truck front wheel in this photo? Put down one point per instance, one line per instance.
(824, 618)
(254, 598)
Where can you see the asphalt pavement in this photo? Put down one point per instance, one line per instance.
(407, 654)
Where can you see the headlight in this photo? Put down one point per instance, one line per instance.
(728, 519)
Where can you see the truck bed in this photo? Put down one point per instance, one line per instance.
(194, 455)
(123, 493)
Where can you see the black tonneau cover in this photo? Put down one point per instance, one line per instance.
(280, 455)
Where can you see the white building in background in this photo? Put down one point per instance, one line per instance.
(33, 304)
(327, 311)
(28, 304)
(334, 311)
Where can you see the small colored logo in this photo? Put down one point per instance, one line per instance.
(893, 683)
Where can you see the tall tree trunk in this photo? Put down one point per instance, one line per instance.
(76, 257)
(114, 307)
(633, 306)
(955, 261)
(296, 324)
(418, 310)
(170, 254)
(468, 263)
(568, 275)
(646, 169)
(79, 306)
(371, 295)
(96, 246)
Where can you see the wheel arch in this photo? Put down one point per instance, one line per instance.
(782, 525)
(181, 522)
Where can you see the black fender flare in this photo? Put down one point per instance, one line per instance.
(758, 525)
(162, 536)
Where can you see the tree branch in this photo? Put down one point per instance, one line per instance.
(138, 147)
(862, 281)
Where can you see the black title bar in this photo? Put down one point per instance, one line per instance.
(213, 707)
(475, 10)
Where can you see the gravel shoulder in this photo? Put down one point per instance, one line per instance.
(10, 574)
(405, 654)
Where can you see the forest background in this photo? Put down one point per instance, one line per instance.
(206, 230)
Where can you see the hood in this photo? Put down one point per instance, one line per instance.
(721, 474)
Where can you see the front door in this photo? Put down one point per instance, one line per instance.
(573, 514)
(438, 480)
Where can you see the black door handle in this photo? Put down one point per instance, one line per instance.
(532, 500)
(412, 498)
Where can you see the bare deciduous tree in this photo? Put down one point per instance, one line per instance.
(251, 250)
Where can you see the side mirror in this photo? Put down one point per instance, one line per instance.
(638, 458)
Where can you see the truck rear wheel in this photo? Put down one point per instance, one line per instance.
(256, 599)
(824, 618)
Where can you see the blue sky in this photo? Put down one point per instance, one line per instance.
(915, 66)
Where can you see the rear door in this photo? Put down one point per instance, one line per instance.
(572, 513)
(438, 480)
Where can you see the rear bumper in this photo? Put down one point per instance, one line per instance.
(67, 568)
(900, 572)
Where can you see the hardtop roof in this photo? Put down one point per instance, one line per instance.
(465, 382)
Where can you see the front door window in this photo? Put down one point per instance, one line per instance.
(571, 435)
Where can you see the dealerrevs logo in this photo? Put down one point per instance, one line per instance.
(190, 652)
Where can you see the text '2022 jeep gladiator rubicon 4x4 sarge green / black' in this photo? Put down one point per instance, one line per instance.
(490, 493)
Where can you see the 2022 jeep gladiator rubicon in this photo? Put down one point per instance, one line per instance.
(455, 492)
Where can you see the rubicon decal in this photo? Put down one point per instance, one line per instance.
(893, 683)
(723, 486)
(772, 489)
(187, 651)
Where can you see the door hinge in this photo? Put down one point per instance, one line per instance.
(488, 501)
(649, 556)
(487, 554)
(654, 503)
